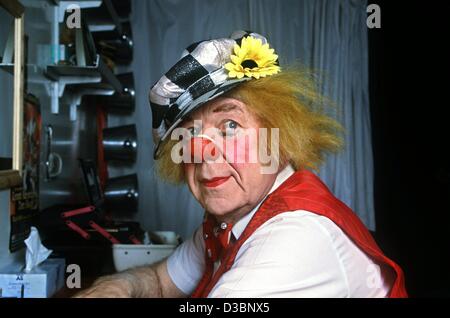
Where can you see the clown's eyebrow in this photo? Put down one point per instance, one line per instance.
(227, 108)
(219, 109)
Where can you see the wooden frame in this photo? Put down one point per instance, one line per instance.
(14, 7)
(12, 178)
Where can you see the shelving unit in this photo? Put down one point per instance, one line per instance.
(72, 81)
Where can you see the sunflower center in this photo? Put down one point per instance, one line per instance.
(249, 64)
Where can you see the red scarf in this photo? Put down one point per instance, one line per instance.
(302, 191)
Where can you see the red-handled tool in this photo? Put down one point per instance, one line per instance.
(78, 229)
(103, 232)
(72, 213)
(134, 239)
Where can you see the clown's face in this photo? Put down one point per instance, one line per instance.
(228, 184)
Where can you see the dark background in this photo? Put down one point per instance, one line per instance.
(409, 89)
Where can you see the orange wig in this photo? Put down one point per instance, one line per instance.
(289, 101)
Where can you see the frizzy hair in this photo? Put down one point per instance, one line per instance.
(289, 101)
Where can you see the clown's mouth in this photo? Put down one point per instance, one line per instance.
(214, 182)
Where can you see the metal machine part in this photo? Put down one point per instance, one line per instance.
(120, 143)
(121, 194)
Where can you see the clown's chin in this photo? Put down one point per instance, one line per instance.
(220, 207)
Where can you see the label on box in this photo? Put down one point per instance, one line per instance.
(23, 286)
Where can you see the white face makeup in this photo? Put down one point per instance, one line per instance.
(226, 185)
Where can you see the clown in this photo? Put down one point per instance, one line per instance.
(244, 135)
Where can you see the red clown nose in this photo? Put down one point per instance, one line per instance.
(201, 149)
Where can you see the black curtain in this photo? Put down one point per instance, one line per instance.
(409, 88)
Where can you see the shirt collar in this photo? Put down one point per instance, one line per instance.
(240, 225)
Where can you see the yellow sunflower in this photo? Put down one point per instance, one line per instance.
(252, 59)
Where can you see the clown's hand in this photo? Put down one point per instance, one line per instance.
(114, 286)
(141, 282)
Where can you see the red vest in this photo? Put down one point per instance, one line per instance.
(305, 191)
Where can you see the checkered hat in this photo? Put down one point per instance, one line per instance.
(198, 77)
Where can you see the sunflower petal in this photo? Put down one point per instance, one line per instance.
(236, 59)
(236, 49)
(229, 66)
(252, 49)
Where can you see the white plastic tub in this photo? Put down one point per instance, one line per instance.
(127, 256)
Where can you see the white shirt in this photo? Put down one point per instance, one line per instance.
(294, 254)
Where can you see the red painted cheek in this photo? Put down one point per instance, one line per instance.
(239, 150)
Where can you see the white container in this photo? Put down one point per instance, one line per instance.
(41, 282)
(127, 256)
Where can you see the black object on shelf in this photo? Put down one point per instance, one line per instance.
(112, 35)
(121, 102)
(123, 8)
(120, 143)
(113, 101)
(119, 50)
(127, 80)
(117, 47)
(125, 100)
(121, 194)
(103, 18)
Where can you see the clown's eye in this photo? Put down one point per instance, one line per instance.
(194, 131)
(229, 127)
(231, 124)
